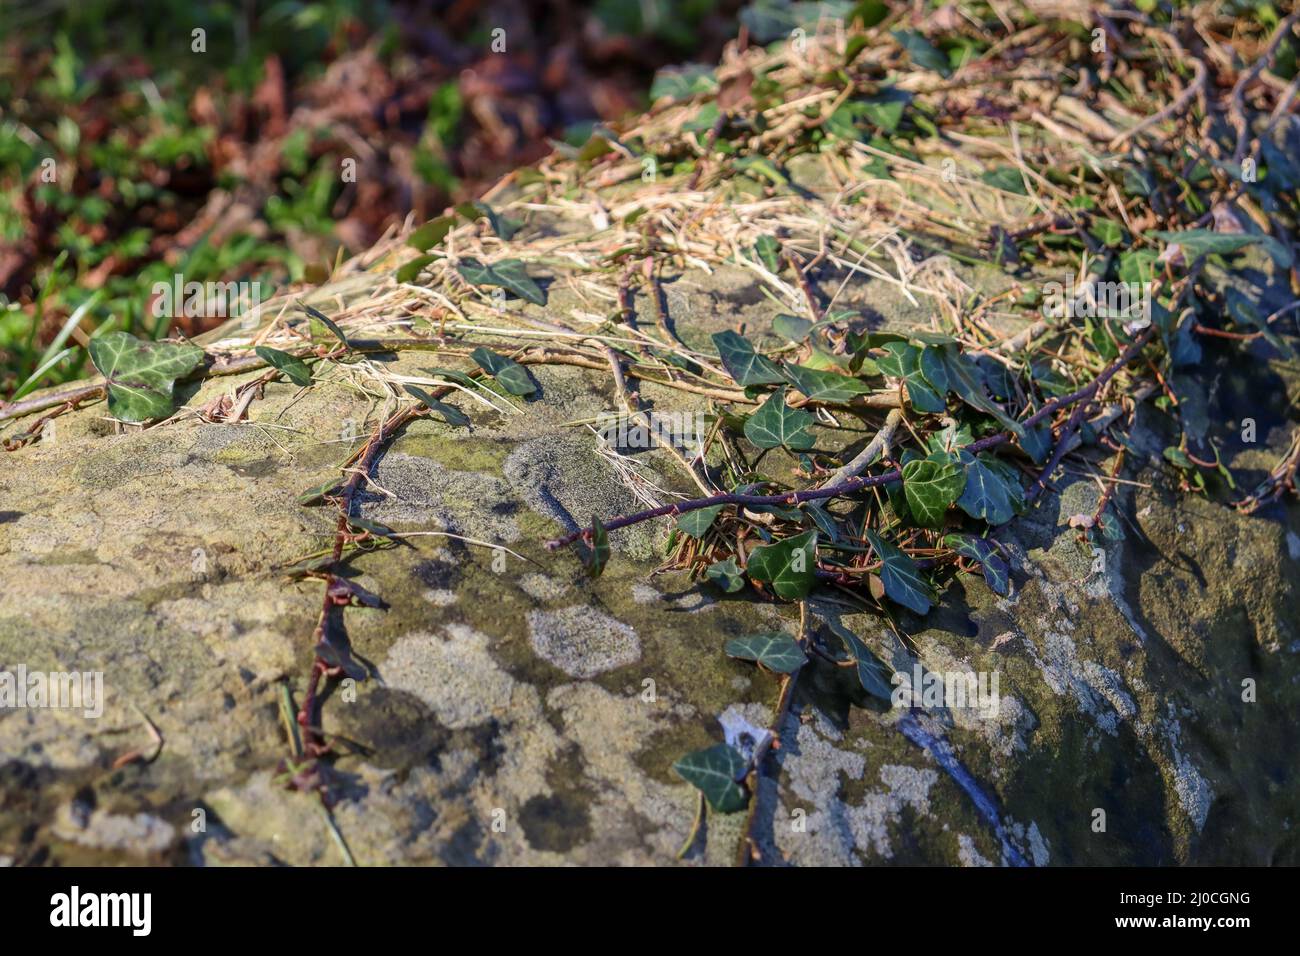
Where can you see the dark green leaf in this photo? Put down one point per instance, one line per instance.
(792, 328)
(1200, 242)
(596, 555)
(903, 361)
(317, 494)
(726, 575)
(776, 424)
(431, 233)
(964, 379)
(449, 413)
(141, 375)
(769, 251)
(787, 565)
(744, 364)
(775, 651)
(903, 582)
(986, 494)
(922, 52)
(410, 271)
(696, 523)
(294, 369)
(828, 387)
(715, 772)
(319, 318)
(872, 672)
(510, 374)
(508, 274)
(996, 573)
(931, 488)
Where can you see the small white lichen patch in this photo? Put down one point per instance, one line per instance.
(582, 641)
(454, 674)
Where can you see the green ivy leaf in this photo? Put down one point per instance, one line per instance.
(776, 424)
(320, 320)
(508, 274)
(792, 328)
(931, 488)
(825, 386)
(775, 651)
(903, 361)
(510, 374)
(503, 226)
(410, 271)
(317, 494)
(1201, 242)
(715, 771)
(964, 379)
(873, 674)
(769, 251)
(996, 574)
(922, 51)
(373, 527)
(596, 556)
(294, 369)
(726, 575)
(1037, 442)
(141, 375)
(449, 413)
(1111, 529)
(986, 494)
(903, 582)
(696, 523)
(787, 565)
(431, 233)
(743, 363)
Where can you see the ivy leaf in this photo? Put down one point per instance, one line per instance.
(449, 414)
(294, 369)
(319, 318)
(777, 652)
(903, 582)
(787, 565)
(1037, 442)
(318, 493)
(1111, 529)
(825, 386)
(597, 555)
(1195, 243)
(873, 674)
(410, 271)
(373, 527)
(140, 375)
(996, 574)
(714, 772)
(508, 274)
(903, 361)
(986, 495)
(922, 51)
(510, 374)
(964, 379)
(503, 226)
(744, 364)
(823, 520)
(769, 251)
(931, 487)
(726, 575)
(792, 328)
(431, 233)
(696, 523)
(776, 424)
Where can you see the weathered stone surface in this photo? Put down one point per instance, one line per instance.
(518, 712)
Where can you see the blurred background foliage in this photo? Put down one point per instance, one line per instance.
(128, 156)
